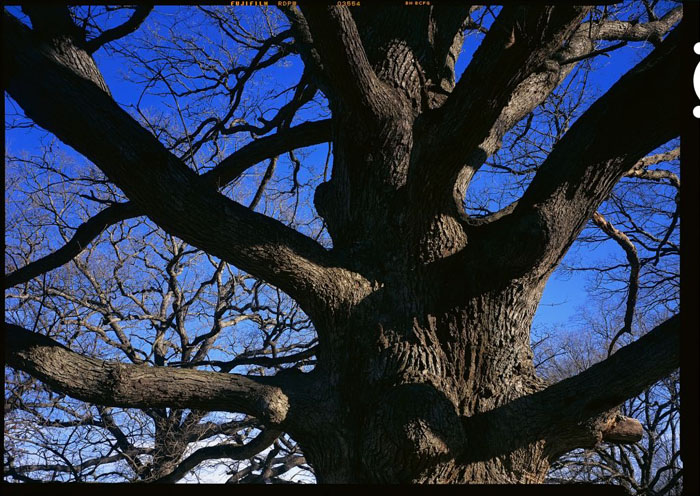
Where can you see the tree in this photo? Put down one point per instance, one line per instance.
(424, 367)
(651, 465)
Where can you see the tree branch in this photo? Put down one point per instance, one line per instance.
(160, 184)
(534, 90)
(518, 43)
(139, 386)
(633, 284)
(228, 451)
(104, 460)
(630, 31)
(584, 166)
(306, 134)
(640, 168)
(576, 412)
(344, 61)
(83, 236)
(136, 19)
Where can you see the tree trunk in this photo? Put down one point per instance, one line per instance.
(394, 402)
(404, 361)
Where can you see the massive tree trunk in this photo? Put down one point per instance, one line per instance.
(424, 370)
(404, 373)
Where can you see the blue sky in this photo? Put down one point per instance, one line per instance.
(564, 293)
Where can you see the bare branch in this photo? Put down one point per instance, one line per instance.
(170, 193)
(518, 43)
(640, 168)
(140, 386)
(136, 19)
(306, 134)
(587, 162)
(228, 451)
(534, 89)
(631, 31)
(83, 236)
(633, 284)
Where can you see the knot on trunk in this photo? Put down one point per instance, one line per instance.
(623, 430)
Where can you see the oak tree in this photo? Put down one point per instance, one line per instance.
(424, 366)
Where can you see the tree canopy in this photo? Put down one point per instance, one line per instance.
(312, 240)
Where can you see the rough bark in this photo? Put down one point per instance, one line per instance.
(424, 367)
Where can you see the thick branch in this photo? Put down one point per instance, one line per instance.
(163, 187)
(305, 45)
(609, 383)
(136, 19)
(518, 43)
(344, 61)
(575, 412)
(534, 90)
(139, 386)
(585, 165)
(631, 31)
(228, 451)
(83, 236)
(49, 21)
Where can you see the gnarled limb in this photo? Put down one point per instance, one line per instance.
(228, 451)
(633, 285)
(633, 31)
(534, 90)
(519, 42)
(584, 166)
(579, 411)
(140, 386)
(166, 190)
(640, 168)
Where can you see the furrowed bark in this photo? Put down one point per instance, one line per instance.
(580, 172)
(519, 42)
(139, 386)
(576, 412)
(171, 194)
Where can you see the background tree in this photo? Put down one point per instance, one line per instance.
(421, 306)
